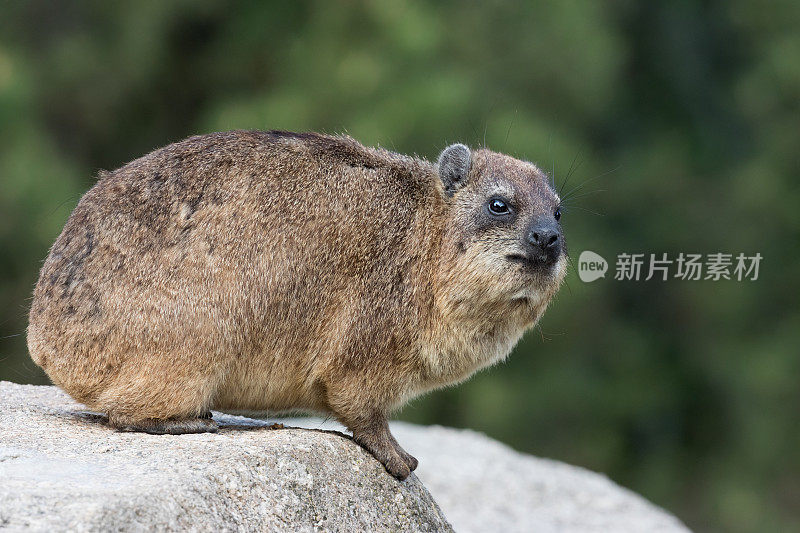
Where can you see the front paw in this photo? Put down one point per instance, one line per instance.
(409, 459)
(387, 454)
(398, 466)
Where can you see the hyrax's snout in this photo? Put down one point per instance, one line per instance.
(543, 241)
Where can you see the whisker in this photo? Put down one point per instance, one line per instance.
(584, 209)
(505, 143)
(473, 128)
(579, 187)
(569, 172)
(587, 193)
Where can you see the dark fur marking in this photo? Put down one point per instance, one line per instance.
(94, 310)
(302, 136)
(156, 181)
(194, 202)
(76, 264)
(363, 164)
(331, 147)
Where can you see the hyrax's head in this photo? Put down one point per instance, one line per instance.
(504, 227)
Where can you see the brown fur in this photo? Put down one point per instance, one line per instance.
(280, 271)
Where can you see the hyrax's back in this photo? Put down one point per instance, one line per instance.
(230, 270)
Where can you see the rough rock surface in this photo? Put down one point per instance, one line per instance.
(483, 485)
(62, 469)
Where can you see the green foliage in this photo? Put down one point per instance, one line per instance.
(687, 111)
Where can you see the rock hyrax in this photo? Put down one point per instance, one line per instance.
(276, 271)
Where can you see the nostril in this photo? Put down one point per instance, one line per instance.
(543, 238)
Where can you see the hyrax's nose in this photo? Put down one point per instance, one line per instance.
(544, 237)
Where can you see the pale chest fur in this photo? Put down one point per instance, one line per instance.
(458, 348)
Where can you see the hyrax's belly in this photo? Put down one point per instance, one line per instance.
(274, 381)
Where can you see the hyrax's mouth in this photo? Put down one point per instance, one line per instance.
(537, 261)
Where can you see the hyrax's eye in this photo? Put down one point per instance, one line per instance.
(557, 214)
(498, 207)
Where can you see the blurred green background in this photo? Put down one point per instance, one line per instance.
(680, 118)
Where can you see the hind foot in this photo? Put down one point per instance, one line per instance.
(169, 426)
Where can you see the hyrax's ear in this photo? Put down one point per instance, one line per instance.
(454, 163)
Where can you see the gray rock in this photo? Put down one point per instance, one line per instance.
(483, 485)
(61, 469)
